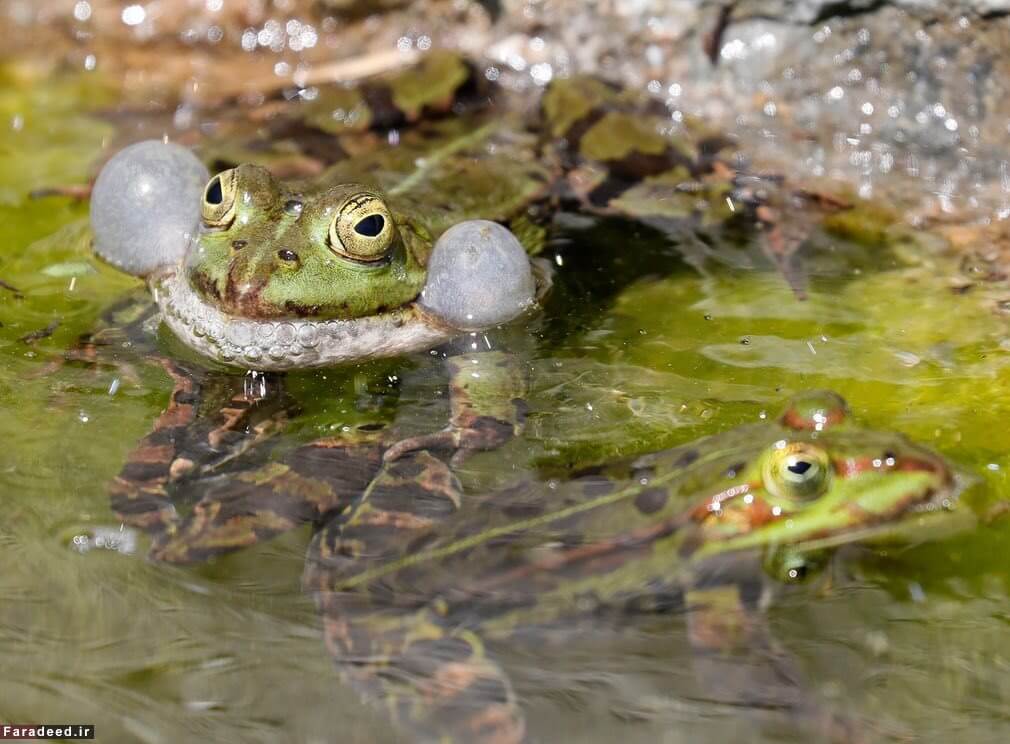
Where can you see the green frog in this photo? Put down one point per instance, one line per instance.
(412, 577)
(292, 274)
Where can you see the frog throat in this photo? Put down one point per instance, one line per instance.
(296, 343)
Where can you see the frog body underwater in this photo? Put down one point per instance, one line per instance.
(412, 577)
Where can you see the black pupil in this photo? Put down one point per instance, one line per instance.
(370, 226)
(214, 194)
(800, 467)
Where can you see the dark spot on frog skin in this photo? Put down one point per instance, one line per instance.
(410, 498)
(204, 285)
(346, 470)
(143, 471)
(733, 470)
(523, 510)
(302, 311)
(186, 397)
(407, 468)
(522, 409)
(422, 656)
(656, 599)
(686, 458)
(420, 543)
(595, 485)
(166, 435)
(651, 500)
(488, 691)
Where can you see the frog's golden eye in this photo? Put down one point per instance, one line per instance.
(219, 197)
(796, 470)
(362, 230)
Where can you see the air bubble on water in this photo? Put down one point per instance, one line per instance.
(916, 592)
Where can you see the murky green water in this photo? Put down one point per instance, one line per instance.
(637, 349)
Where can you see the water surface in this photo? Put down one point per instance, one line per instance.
(636, 349)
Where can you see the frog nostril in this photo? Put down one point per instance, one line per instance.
(285, 254)
(370, 226)
(239, 244)
(293, 206)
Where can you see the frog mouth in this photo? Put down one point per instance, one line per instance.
(290, 343)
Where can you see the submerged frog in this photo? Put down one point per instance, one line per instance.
(412, 577)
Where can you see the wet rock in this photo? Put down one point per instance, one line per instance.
(904, 99)
(875, 92)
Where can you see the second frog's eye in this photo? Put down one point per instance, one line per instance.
(796, 471)
(219, 199)
(362, 229)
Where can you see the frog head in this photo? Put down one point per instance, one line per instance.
(820, 481)
(267, 250)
